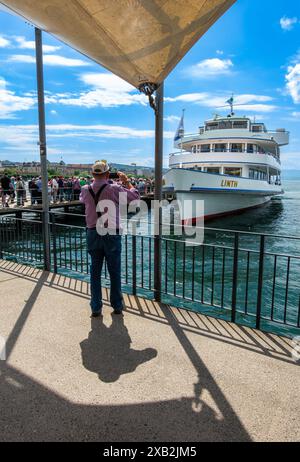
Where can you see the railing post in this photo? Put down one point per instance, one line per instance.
(1, 239)
(235, 277)
(134, 263)
(54, 242)
(260, 281)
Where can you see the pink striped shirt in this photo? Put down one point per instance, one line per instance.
(111, 193)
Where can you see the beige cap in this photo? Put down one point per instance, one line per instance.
(100, 166)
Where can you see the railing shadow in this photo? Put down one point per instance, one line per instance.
(216, 329)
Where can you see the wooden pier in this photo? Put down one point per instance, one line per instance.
(13, 209)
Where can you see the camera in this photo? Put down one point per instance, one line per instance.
(113, 176)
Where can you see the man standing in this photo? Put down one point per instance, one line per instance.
(20, 188)
(107, 245)
(60, 182)
(5, 186)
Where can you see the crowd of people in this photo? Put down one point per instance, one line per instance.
(15, 189)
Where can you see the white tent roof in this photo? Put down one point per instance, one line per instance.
(139, 40)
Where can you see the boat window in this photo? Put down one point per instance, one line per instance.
(256, 174)
(225, 125)
(215, 170)
(212, 126)
(251, 148)
(236, 147)
(220, 147)
(205, 148)
(240, 124)
(257, 128)
(232, 171)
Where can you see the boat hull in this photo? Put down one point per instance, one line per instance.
(206, 196)
(216, 205)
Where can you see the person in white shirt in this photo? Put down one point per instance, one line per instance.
(54, 189)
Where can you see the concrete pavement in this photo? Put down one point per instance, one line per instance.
(156, 374)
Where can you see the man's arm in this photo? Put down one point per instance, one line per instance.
(132, 192)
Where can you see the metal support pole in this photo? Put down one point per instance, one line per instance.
(235, 277)
(159, 128)
(260, 281)
(43, 146)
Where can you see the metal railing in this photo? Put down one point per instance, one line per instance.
(225, 150)
(243, 277)
(56, 196)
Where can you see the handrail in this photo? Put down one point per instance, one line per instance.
(178, 153)
(271, 132)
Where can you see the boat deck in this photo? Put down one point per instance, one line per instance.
(156, 374)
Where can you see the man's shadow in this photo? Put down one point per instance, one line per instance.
(107, 350)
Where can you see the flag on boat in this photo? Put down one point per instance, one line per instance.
(230, 101)
(180, 130)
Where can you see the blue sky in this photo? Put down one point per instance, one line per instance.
(252, 51)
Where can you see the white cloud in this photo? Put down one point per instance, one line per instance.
(53, 112)
(103, 98)
(30, 45)
(4, 42)
(10, 103)
(24, 137)
(50, 60)
(211, 67)
(106, 81)
(108, 90)
(172, 118)
(288, 23)
(293, 82)
(189, 98)
(244, 102)
(220, 52)
(17, 141)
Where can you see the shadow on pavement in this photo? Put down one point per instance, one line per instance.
(107, 350)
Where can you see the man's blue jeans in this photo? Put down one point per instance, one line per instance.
(108, 247)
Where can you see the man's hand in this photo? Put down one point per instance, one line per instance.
(125, 180)
(123, 177)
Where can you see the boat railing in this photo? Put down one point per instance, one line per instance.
(235, 151)
(248, 278)
(242, 130)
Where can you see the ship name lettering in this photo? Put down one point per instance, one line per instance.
(229, 184)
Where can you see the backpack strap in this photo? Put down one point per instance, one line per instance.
(96, 196)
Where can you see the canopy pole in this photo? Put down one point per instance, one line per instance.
(43, 147)
(159, 128)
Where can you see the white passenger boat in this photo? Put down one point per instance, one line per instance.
(232, 164)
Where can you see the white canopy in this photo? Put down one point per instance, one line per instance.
(139, 40)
